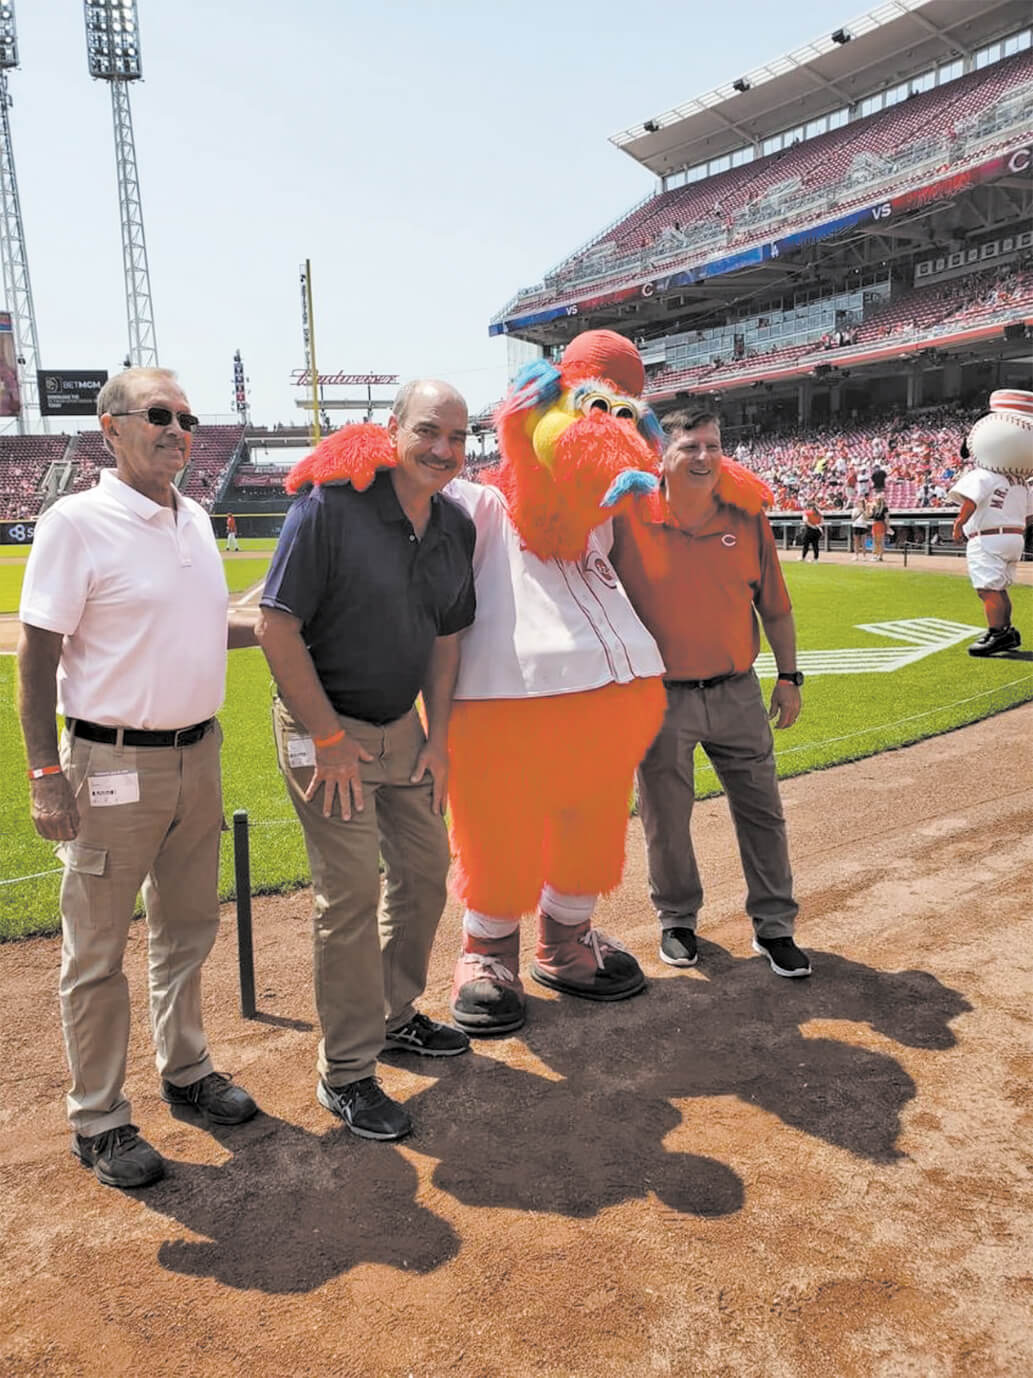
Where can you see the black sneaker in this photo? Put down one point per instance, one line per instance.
(428, 1038)
(365, 1109)
(995, 640)
(213, 1096)
(678, 947)
(119, 1157)
(785, 957)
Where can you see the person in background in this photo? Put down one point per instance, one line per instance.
(859, 523)
(812, 524)
(878, 512)
(996, 499)
(231, 532)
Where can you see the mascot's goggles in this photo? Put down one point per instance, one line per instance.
(544, 426)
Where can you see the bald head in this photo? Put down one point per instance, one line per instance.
(425, 391)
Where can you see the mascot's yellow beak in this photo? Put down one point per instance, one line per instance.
(547, 431)
(544, 427)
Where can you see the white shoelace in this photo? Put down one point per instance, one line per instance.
(491, 966)
(600, 942)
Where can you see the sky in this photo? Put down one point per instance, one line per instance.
(429, 160)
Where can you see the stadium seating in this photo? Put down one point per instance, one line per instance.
(1002, 293)
(211, 455)
(24, 461)
(944, 128)
(212, 452)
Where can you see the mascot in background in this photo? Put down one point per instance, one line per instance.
(996, 507)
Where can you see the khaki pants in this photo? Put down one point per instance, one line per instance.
(370, 954)
(730, 721)
(168, 844)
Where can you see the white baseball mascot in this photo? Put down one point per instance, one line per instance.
(996, 499)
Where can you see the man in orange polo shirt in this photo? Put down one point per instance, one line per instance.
(699, 563)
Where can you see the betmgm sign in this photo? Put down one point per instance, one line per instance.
(17, 533)
(70, 392)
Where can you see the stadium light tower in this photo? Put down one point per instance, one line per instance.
(17, 287)
(113, 54)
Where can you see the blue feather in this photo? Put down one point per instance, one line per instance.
(536, 385)
(633, 481)
(651, 430)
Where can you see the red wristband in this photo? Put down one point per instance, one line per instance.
(338, 736)
(40, 771)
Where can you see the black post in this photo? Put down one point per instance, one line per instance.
(245, 948)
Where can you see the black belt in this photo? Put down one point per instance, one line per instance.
(131, 736)
(700, 683)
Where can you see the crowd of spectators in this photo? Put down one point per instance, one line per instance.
(914, 458)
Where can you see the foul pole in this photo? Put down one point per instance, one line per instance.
(308, 335)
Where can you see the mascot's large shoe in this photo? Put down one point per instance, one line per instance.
(579, 960)
(487, 993)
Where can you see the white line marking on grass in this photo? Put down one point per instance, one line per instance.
(35, 876)
(923, 636)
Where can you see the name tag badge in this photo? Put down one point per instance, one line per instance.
(114, 787)
(301, 751)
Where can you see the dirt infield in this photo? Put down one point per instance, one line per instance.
(731, 1174)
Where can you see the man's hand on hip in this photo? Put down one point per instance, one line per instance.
(785, 703)
(338, 771)
(433, 758)
(55, 814)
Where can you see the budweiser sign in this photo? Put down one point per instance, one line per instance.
(302, 378)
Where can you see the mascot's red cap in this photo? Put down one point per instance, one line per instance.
(604, 354)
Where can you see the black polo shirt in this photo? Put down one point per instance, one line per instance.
(372, 596)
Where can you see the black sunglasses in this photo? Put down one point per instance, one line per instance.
(162, 416)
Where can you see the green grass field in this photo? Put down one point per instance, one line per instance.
(845, 717)
(240, 574)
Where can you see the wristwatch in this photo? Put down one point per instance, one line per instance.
(793, 677)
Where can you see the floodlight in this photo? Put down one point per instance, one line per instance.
(112, 40)
(842, 36)
(8, 37)
(113, 55)
(651, 126)
(741, 84)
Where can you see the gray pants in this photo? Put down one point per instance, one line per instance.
(730, 722)
(370, 955)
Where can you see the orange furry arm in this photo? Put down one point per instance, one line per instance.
(353, 454)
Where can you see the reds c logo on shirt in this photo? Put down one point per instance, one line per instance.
(602, 569)
(728, 539)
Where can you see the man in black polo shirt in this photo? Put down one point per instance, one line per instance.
(365, 599)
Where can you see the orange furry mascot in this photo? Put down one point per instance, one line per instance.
(560, 689)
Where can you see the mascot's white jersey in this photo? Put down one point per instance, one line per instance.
(544, 626)
(1000, 501)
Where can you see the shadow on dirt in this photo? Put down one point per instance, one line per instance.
(594, 1138)
(291, 1209)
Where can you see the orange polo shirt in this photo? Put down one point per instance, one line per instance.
(699, 595)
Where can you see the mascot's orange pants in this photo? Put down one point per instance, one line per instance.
(539, 791)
